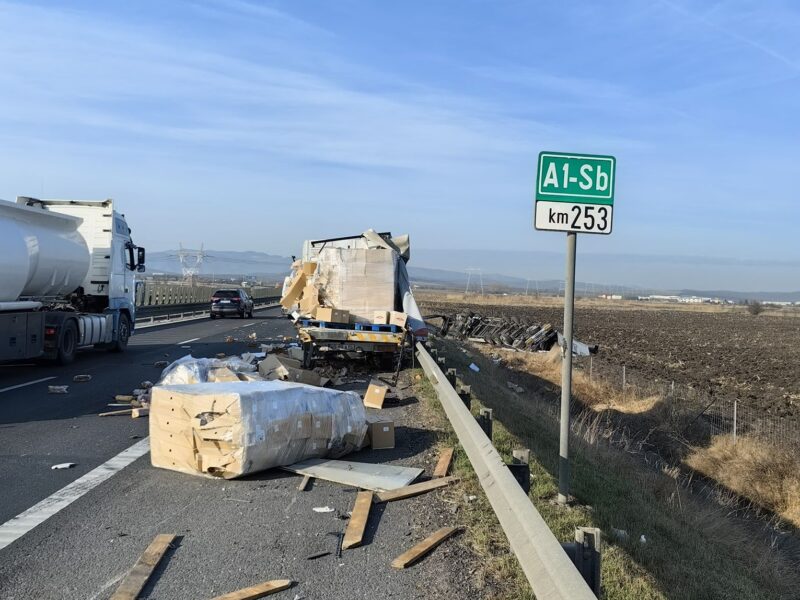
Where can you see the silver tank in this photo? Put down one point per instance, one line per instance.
(41, 253)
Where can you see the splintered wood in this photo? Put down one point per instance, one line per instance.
(444, 463)
(358, 521)
(257, 591)
(414, 489)
(409, 557)
(136, 579)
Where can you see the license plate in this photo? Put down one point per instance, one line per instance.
(224, 301)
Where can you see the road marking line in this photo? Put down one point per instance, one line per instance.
(22, 385)
(187, 341)
(15, 528)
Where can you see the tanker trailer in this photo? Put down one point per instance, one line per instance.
(67, 278)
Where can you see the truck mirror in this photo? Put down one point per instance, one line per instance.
(140, 259)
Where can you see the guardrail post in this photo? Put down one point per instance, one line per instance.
(465, 393)
(485, 421)
(452, 377)
(520, 468)
(584, 553)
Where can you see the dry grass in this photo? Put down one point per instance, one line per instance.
(765, 474)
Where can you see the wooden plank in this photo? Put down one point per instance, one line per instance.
(140, 412)
(409, 557)
(358, 521)
(136, 579)
(414, 489)
(444, 463)
(304, 484)
(257, 591)
(116, 413)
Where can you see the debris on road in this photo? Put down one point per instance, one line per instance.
(358, 521)
(409, 557)
(190, 370)
(375, 395)
(381, 434)
(323, 509)
(57, 389)
(135, 580)
(81, 378)
(283, 368)
(232, 429)
(304, 483)
(160, 364)
(146, 385)
(116, 413)
(515, 388)
(258, 591)
(414, 489)
(474, 367)
(444, 463)
(140, 412)
(124, 398)
(365, 476)
(60, 466)
(317, 555)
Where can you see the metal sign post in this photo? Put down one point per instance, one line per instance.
(575, 194)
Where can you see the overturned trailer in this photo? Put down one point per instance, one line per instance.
(352, 295)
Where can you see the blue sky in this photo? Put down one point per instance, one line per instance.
(257, 125)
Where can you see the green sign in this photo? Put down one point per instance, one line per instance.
(575, 192)
(584, 178)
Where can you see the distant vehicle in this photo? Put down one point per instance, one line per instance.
(67, 278)
(231, 302)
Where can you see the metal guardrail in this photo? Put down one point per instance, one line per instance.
(549, 570)
(150, 316)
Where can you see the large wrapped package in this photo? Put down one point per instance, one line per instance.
(359, 280)
(201, 370)
(232, 429)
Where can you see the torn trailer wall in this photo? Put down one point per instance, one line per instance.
(233, 429)
(363, 275)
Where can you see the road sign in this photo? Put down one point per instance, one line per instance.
(575, 192)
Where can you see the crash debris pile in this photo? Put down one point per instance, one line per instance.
(508, 332)
(357, 280)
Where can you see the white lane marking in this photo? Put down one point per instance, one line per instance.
(15, 528)
(187, 341)
(22, 385)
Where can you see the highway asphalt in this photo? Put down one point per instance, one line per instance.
(232, 533)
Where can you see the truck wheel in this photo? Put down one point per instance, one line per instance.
(123, 334)
(68, 343)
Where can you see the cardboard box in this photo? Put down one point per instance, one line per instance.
(309, 268)
(294, 291)
(375, 395)
(332, 315)
(382, 434)
(381, 317)
(310, 300)
(398, 318)
(284, 368)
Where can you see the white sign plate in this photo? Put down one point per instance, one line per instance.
(569, 216)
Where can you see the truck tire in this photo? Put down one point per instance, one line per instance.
(123, 334)
(67, 343)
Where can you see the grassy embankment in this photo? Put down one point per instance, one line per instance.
(691, 550)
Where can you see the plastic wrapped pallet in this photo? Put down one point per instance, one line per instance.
(233, 429)
(201, 370)
(358, 280)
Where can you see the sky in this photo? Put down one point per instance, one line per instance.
(254, 126)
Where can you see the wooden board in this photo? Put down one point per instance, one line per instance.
(140, 412)
(409, 557)
(444, 463)
(414, 489)
(358, 521)
(257, 591)
(304, 484)
(136, 579)
(116, 413)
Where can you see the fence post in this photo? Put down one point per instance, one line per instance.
(734, 421)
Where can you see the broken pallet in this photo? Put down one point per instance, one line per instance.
(257, 591)
(358, 521)
(444, 463)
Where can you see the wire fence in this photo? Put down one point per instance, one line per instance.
(708, 408)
